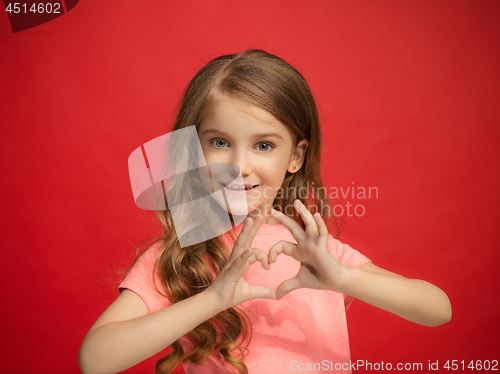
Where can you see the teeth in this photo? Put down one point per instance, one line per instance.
(237, 188)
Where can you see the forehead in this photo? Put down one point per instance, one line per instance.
(231, 115)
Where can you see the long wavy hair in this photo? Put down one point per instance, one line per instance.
(270, 83)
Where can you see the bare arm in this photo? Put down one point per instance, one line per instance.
(412, 299)
(126, 333)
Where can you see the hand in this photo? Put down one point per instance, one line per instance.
(319, 269)
(229, 286)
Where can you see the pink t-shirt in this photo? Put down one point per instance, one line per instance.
(305, 330)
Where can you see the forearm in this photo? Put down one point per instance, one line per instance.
(412, 299)
(117, 346)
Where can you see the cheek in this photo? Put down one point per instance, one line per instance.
(272, 175)
(212, 157)
(203, 170)
(206, 153)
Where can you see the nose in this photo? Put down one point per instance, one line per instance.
(240, 162)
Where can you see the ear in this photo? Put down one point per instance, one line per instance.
(298, 156)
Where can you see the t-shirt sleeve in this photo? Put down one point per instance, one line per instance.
(140, 281)
(347, 256)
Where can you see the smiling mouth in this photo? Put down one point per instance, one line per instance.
(232, 188)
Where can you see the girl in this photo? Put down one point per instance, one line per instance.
(220, 314)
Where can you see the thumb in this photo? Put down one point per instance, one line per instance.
(287, 286)
(263, 292)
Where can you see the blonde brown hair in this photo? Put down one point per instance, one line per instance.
(270, 83)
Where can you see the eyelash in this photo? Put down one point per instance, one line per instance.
(271, 145)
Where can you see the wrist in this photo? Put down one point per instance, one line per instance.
(213, 301)
(343, 279)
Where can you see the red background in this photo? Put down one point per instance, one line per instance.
(408, 94)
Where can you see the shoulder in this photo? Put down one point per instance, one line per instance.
(150, 253)
(142, 281)
(144, 261)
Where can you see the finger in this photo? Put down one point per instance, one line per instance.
(297, 232)
(236, 267)
(257, 222)
(247, 234)
(323, 230)
(261, 256)
(287, 286)
(281, 247)
(240, 243)
(263, 292)
(307, 217)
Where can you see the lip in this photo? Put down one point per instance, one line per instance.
(242, 192)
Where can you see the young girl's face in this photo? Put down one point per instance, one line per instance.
(238, 133)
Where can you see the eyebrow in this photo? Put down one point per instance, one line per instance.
(215, 131)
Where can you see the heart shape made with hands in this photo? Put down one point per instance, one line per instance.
(275, 273)
(311, 264)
